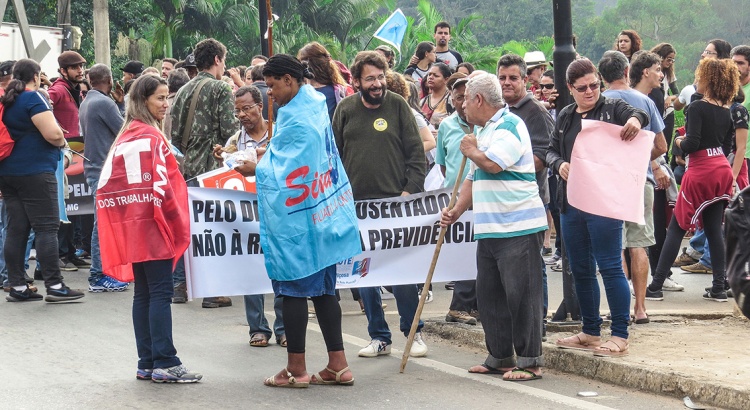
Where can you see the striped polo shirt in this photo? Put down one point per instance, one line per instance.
(506, 204)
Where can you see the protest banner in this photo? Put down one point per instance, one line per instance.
(225, 178)
(80, 199)
(397, 235)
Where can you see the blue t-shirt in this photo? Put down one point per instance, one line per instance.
(31, 154)
(330, 92)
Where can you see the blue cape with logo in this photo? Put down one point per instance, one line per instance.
(306, 205)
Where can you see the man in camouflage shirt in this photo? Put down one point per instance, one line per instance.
(214, 121)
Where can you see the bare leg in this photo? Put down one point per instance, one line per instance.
(639, 266)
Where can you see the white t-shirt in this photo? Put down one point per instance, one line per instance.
(686, 93)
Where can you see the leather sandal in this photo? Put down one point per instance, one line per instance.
(291, 381)
(576, 342)
(337, 381)
(608, 351)
(259, 340)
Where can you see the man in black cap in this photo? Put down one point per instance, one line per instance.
(131, 71)
(190, 66)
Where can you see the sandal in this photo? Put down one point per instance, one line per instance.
(281, 341)
(577, 342)
(320, 381)
(521, 370)
(259, 340)
(489, 369)
(609, 351)
(291, 381)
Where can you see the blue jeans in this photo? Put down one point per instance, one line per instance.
(407, 300)
(95, 271)
(700, 244)
(593, 240)
(152, 314)
(254, 305)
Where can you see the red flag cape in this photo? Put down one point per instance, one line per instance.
(141, 203)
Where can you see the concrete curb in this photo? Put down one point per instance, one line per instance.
(610, 370)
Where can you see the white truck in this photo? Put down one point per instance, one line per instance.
(12, 47)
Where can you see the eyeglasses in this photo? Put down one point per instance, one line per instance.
(709, 53)
(549, 86)
(582, 89)
(671, 60)
(246, 109)
(372, 79)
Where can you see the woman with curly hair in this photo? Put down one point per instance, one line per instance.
(707, 183)
(628, 42)
(398, 84)
(327, 78)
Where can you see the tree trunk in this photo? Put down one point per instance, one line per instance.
(101, 32)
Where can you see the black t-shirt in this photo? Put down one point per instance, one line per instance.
(707, 127)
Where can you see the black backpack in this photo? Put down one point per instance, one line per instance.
(737, 234)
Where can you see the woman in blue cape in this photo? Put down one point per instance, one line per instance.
(307, 220)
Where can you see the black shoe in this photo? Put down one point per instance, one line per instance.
(27, 295)
(730, 294)
(78, 262)
(654, 295)
(66, 266)
(450, 285)
(38, 273)
(716, 297)
(63, 294)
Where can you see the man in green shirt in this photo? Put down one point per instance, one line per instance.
(741, 57)
(383, 155)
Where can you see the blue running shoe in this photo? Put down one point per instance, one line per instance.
(107, 284)
(144, 374)
(175, 374)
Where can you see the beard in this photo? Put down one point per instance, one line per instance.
(374, 100)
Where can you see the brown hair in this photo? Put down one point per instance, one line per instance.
(720, 78)
(635, 40)
(320, 63)
(363, 58)
(664, 50)
(578, 69)
(397, 84)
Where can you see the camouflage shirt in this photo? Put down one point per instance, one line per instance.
(214, 122)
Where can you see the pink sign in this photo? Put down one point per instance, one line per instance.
(607, 174)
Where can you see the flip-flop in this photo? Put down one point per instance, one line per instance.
(604, 351)
(291, 381)
(642, 321)
(259, 340)
(580, 345)
(281, 341)
(337, 382)
(521, 370)
(491, 370)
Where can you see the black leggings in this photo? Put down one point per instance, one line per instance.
(328, 312)
(711, 218)
(660, 228)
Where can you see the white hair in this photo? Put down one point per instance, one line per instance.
(488, 87)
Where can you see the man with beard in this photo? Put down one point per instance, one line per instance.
(375, 123)
(167, 65)
(445, 55)
(741, 57)
(65, 96)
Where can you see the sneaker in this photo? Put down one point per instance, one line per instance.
(63, 294)
(697, 267)
(180, 293)
(144, 374)
(429, 297)
(216, 302)
(455, 316)
(672, 286)
(546, 251)
(654, 295)
(78, 262)
(552, 260)
(107, 284)
(67, 266)
(730, 294)
(375, 348)
(418, 348)
(475, 314)
(175, 374)
(80, 253)
(684, 259)
(27, 295)
(450, 285)
(716, 297)
(557, 267)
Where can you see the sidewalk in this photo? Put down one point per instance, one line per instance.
(692, 347)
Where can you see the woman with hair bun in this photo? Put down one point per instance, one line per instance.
(307, 220)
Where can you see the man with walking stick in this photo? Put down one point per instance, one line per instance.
(509, 221)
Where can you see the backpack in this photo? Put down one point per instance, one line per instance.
(737, 234)
(6, 141)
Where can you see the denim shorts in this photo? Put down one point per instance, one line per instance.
(319, 283)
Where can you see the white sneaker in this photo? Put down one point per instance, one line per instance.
(375, 348)
(418, 348)
(672, 286)
(429, 296)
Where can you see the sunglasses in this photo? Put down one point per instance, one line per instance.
(583, 88)
(547, 86)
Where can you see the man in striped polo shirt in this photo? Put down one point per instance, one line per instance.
(509, 224)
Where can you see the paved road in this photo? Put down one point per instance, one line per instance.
(82, 355)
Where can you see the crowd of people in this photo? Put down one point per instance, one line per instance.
(188, 117)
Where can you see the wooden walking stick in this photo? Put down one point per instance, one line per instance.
(428, 281)
(269, 13)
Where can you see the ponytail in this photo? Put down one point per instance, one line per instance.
(24, 71)
(14, 88)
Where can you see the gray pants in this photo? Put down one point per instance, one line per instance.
(509, 297)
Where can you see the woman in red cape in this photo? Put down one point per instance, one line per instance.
(143, 223)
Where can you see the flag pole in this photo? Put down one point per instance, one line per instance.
(270, 53)
(428, 281)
